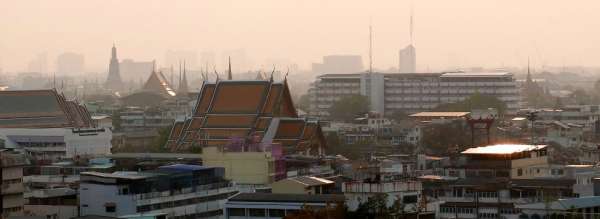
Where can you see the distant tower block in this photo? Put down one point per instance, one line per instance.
(407, 62)
(113, 81)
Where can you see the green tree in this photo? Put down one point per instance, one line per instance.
(304, 102)
(443, 139)
(161, 140)
(581, 97)
(398, 116)
(476, 101)
(349, 107)
(116, 120)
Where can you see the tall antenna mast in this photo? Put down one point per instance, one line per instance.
(370, 47)
(411, 25)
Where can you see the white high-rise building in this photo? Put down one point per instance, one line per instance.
(408, 60)
(411, 92)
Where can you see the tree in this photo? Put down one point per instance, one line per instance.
(349, 107)
(304, 102)
(476, 101)
(441, 139)
(116, 120)
(581, 97)
(160, 141)
(398, 116)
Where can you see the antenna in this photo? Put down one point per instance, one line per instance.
(411, 23)
(179, 84)
(370, 47)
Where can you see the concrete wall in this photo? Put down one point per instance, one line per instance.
(61, 212)
(288, 186)
(241, 167)
(93, 197)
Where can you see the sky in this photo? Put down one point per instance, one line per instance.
(447, 34)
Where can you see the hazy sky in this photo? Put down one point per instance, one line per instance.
(489, 33)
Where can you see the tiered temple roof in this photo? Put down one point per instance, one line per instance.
(41, 109)
(260, 110)
(157, 83)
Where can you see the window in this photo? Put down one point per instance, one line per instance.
(110, 208)
(409, 199)
(519, 172)
(276, 213)
(236, 212)
(256, 212)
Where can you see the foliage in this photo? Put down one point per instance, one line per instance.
(349, 107)
(398, 116)
(476, 101)
(443, 139)
(160, 141)
(116, 120)
(337, 212)
(303, 102)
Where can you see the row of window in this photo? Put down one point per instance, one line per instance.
(254, 212)
(457, 210)
(183, 202)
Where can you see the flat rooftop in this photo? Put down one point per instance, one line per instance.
(440, 114)
(503, 149)
(476, 74)
(290, 198)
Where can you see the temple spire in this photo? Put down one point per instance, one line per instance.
(229, 75)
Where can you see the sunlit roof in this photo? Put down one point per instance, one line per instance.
(503, 149)
(440, 114)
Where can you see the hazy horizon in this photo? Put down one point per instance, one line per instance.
(447, 34)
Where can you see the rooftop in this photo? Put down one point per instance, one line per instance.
(564, 204)
(476, 74)
(41, 109)
(294, 198)
(311, 180)
(440, 114)
(503, 149)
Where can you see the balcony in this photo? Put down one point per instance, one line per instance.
(382, 187)
(12, 188)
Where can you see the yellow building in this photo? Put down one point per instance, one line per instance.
(256, 168)
(303, 185)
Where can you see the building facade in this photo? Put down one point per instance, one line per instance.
(411, 92)
(180, 191)
(12, 183)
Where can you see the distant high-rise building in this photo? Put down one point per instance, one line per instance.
(408, 60)
(114, 81)
(408, 56)
(70, 63)
(38, 64)
(175, 57)
(339, 64)
(132, 70)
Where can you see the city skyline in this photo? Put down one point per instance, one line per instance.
(498, 33)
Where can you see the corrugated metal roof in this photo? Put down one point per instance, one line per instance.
(503, 149)
(440, 114)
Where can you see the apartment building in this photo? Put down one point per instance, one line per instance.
(411, 92)
(179, 191)
(12, 183)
